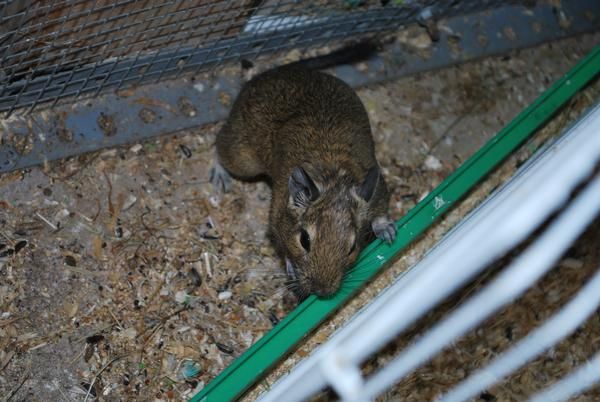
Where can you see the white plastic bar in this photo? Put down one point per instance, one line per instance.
(343, 376)
(530, 266)
(545, 189)
(529, 204)
(493, 228)
(551, 332)
(575, 383)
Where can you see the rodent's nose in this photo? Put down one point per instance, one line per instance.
(323, 291)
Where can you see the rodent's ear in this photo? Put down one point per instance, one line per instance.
(367, 188)
(302, 188)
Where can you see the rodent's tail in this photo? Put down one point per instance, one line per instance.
(349, 54)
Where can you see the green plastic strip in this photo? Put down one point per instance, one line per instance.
(274, 345)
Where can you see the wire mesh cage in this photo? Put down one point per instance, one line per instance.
(50, 50)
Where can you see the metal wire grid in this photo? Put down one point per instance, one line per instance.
(52, 50)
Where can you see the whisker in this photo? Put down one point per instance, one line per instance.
(283, 290)
(263, 269)
(292, 284)
(276, 292)
(267, 275)
(289, 285)
(267, 272)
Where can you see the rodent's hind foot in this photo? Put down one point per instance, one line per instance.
(220, 178)
(384, 228)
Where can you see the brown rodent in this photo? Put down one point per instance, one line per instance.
(309, 134)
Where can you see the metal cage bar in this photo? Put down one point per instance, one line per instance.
(56, 50)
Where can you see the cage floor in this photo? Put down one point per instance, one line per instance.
(126, 275)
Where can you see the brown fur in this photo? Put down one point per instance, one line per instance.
(292, 117)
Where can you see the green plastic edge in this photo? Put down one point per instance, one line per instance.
(273, 346)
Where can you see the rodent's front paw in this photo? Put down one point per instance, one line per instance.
(220, 179)
(384, 228)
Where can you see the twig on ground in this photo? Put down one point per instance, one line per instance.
(17, 388)
(89, 390)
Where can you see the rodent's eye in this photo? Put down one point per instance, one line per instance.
(352, 248)
(305, 239)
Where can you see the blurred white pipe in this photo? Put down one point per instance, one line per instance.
(575, 383)
(551, 332)
(527, 269)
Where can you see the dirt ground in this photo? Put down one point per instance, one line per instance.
(122, 277)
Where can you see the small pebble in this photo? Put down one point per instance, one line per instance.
(224, 348)
(273, 318)
(190, 369)
(185, 151)
(94, 338)
(20, 245)
(129, 201)
(214, 201)
(136, 148)
(6, 252)
(432, 163)
(196, 278)
(70, 261)
(182, 297)
(225, 295)
(571, 263)
(130, 333)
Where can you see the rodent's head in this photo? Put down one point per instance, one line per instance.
(326, 224)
